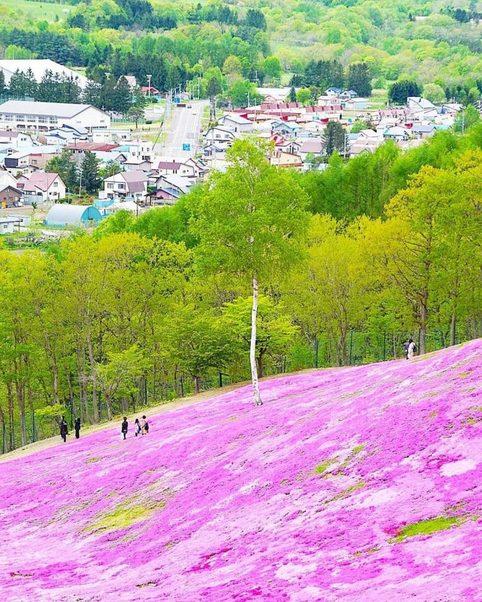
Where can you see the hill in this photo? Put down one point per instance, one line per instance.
(353, 484)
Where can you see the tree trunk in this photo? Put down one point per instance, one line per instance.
(108, 403)
(316, 344)
(453, 329)
(11, 418)
(197, 384)
(423, 325)
(252, 348)
(95, 406)
(20, 391)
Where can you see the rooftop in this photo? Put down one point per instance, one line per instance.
(31, 107)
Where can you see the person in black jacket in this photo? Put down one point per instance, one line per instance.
(124, 427)
(77, 428)
(64, 431)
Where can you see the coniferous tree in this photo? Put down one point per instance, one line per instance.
(359, 79)
(89, 179)
(401, 90)
(335, 139)
(64, 165)
(122, 96)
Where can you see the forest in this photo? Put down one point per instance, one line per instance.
(432, 43)
(351, 261)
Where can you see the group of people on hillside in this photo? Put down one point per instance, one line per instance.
(64, 429)
(141, 427)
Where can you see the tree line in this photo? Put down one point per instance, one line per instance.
(111, 94)
(150, 308)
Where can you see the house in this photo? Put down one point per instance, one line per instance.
(15, 140)
(397, 133)
(423, 130)
(43, 186)
(64, 214)
(44, 116)
(7, 179)
(133, 163)
(8, 225)
(130, 79)
(311, 146)
(169, 188)
(285, 129)
(10, 197)
(125, 185)
(364, 144)
(150, 91)
(333, 91)
(236, 123)
(356, 104)
(65, 134)
(417, 103)
(283, 159)
(29, 161)
(38, 68)
(187, 170)
(219, 135)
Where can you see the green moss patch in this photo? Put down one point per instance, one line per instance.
(428, 526)
(321, 468)
(125, 515)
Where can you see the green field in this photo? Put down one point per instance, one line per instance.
(26, 9)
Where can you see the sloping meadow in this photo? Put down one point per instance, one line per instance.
(353, 484)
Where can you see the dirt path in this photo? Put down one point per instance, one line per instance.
(32, 448)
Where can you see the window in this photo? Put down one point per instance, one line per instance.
(8, 117)
(56, 183)
(42, 119)
(53, 119)
(31, 118)
(20, 117)
(110, 185)
(121, 186)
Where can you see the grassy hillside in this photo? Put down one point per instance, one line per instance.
(353, 484)
(26, 10)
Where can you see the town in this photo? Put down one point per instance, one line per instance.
(68, 165)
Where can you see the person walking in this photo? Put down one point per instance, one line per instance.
(144, 426)
(124, 427)
(137, 426)
(77, 428)
(64, 431)
(411, 349)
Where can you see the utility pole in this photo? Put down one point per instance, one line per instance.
(149, 77)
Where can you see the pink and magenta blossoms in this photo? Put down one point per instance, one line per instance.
(356, 484)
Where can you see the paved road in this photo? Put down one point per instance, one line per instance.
(183, 127)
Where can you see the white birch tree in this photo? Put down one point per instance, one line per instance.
(250, 222)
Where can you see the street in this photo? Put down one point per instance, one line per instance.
(183, 127)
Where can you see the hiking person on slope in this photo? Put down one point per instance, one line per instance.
(124, 427)
(64, 431)
(144, 426)
(77, 428)
(410, 349)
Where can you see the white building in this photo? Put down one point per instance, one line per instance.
(8, 225)
(43, 116)
(236, 123)
(39, 67)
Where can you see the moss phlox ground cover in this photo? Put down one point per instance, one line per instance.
(352, 484)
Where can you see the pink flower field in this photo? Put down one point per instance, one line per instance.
(354, 484)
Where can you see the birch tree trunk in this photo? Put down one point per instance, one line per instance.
(252, 348)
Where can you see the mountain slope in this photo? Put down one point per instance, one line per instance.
(353, 484)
